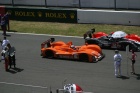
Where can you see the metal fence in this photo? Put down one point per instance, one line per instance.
(108, 4)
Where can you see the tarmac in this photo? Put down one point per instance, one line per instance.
(35, 74)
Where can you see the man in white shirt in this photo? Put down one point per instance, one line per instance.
(5, 41)
(117, 63)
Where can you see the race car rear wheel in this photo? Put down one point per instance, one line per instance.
(83, 57)
(49, 54)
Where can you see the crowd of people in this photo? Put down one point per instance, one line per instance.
(8, 54)
(4, 23)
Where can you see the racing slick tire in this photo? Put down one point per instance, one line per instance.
(49, 54)
(123, 47)
(83, 57)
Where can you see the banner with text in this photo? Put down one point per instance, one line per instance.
(46, 15)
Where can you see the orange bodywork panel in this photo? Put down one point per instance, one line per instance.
(60, 49)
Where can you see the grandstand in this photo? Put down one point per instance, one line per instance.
(107, 4)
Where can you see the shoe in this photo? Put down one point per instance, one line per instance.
(7, 70)
(133, 73)
(120, 75)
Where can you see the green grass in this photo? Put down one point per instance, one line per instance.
(67, 28)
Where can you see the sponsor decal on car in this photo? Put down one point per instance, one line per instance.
(66, 56)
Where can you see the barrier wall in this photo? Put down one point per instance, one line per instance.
(108, 17)
(74, 16)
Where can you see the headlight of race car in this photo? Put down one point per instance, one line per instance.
(96, 57)
(99, 56)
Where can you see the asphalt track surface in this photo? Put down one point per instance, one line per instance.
(34, 73)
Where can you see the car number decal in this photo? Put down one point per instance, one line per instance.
(66, 56)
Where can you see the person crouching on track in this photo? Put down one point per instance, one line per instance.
(6, 57)
(11, 55)
(117, 63)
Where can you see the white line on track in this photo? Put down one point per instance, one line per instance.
(22, 85)
(43, 34)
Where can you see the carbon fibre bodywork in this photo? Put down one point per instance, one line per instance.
(108, 42)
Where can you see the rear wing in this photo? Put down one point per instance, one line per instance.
(88, 34)
(48, 42)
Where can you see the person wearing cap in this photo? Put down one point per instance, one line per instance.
(117, 63)
(133, 60)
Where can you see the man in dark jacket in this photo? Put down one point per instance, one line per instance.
(11, 51)
(3, 25)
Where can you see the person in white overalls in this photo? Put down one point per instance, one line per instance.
(117, 63)
(5, 41)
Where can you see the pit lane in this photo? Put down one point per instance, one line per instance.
(36, 71)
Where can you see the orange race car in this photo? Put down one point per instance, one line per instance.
(88, 53)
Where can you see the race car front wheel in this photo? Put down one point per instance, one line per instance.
(49, 54)
(83, 57)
